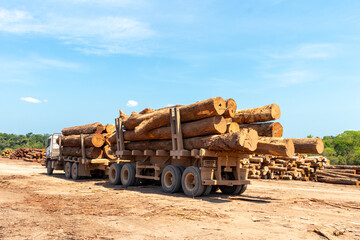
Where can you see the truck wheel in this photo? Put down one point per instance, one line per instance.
(231, 190)
(68, 170)
(49, 168)
(191, 182)
(207, 190)
(171, 179)
(127, 176)
(114, 174)
(75, 171)
(243, 189)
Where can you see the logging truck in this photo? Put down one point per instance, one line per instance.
(196, 172)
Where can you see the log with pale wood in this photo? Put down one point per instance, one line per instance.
(203, 127)
(271, 129)
(199, 110)
(109, 128)
(275, 146)
(260, 114)
(308, 145)
(84, 129)
(91, 153)
(245, 140)
(92, 140)
(230, 108)
(232, 127)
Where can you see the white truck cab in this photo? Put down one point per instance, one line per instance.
(52, 149)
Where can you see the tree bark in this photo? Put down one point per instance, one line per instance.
(203, 127)
(232, 127)
(272, 129)
(244, 140)
(199, 110)
(260, 114)
(275, 146)
(91, 153)
(338, 180)
(83, 129)
(93, 140)
(308, 145)
(230, 108)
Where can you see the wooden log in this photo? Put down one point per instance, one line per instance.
(199, 110)
(93, 140)
(203, 127)
(239, 141)
(260, 114)
(230, 108)
(272, 129)
(109, 128)
(108, 153)
(338, 174)
(232, 127)
(275, 146)
(308, 145)
(91, 153)
(83, 129)
(338, 180)
(354, 167)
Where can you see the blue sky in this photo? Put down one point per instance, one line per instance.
(72, 62)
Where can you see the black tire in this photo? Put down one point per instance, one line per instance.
(243, 189)
(115, 174)
(171, 179)
(128, 172)
(231, 190)
(67, 170)
(207, 190)
(191, 182)
(49, 169)
(75, 171)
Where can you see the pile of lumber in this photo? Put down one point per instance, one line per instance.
(7, 153)
(215, 124)
(95, 137)
(29, 154)
(339, 174)
(299, 167)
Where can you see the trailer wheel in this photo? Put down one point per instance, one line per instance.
(191, 182)
(243, 189)
(115, 174)
(207, 190)
(128, 172)
(231, 190)
(49, 168)
(75, 171)
(171, 179)
(68, 170)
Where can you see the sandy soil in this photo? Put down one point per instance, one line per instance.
(36, 206)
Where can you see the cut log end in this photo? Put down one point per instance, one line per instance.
(220, 105)
(98, 140)
(233, 127)
(277, 129)
(230, 108)
(275, 111)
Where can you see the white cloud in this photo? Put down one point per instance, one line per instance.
(290, 78)
(30, 100)
(132, 103)
(309, 51)
(99, 35)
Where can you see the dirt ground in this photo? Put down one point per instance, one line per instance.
(34, 205)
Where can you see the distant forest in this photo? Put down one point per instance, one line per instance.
(30, 140)
(341, 149)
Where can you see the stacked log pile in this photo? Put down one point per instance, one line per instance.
(299, 167)
(339, 174)
(95, 137)
(30, 154)
(7, 153)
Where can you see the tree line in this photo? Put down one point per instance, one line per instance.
(30, 140)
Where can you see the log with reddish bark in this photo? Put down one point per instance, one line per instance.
(275, 146)
(203, 127)
(230, 108)
(260, 114)
(83, 129)
(244, 140)
(91, 153)
(345, 181)
(199, 110)
(272, 129)
(92, 140)
(308, 145)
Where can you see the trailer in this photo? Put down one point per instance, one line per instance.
(74, 167)
(197, 171)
